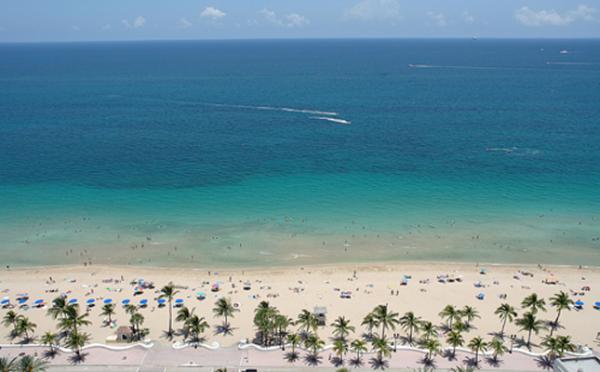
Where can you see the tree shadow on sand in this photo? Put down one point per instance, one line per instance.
(50, 354)
(356, 362)
(78, 358)
(378, 363)
(448, 354)
(428, 362)
(224, 329)
(337, 361)
(312, 360)
(493, 362)
(544, 362)
(471, 362)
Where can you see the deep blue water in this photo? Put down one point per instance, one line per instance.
(207, 145)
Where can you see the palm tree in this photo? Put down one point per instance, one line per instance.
(29, 363)
(11, 318)
(410, 323)
(71, 320)
(429, 330)
(370, 322)
(450, 314)
(342, 328)
(50, 339)
(385, 318)
(108, 310)
(455, 339)
(280, 326)
(24, 326)
(314, 344)
(76, 341)
(529, 323)
(307, 321)
(168, 292)
(264, 320)
(506, 313)
(131, 309)
(136, 320)
(565, 344)
(533, 303)
(59, 304)
(340, 348)
(294, 340)
(7, 365)
(477, 345)
(552, 346)
(432, 346)
(560, 301)
(382, 347)
(224, 308)
(470, 313)
(196, 325)
(359, 347)
(498, 348)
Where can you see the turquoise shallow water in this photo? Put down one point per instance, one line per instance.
(217, 153)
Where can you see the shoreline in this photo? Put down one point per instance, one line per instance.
(342, 266)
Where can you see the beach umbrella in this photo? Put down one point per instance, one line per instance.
(90, 301)
(201, 295)
(161, 301)
(38, 302)
(597, 305)
(21, 300)
(579, 303)
(5, 301)
(143, 302)
(73, 301)
(108, 301)
(179, 301)
(125, 302)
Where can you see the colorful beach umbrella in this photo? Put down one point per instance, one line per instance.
(201, 295)
(107, 301)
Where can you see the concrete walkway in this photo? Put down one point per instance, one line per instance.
(164, 358)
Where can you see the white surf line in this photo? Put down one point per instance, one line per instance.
(333, 120)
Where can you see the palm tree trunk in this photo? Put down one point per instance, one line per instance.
(529, 339)
(170, 317)
(555, 325)
(476, 357)
(410, 336)
(503, 325)
(453, 350)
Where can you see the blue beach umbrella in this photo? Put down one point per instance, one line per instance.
(125, 302)
(73, 301)
(5, 301)
(579, 303)
(143, 302)
(91, 301)
(179, 301)
(108, 301)
(161, 301)
(38, 302)
(21, 300)
(597, 305)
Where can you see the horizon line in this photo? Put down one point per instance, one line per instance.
(474, 38)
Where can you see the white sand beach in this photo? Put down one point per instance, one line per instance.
(294, 289)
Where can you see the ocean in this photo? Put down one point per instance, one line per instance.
(295, 152)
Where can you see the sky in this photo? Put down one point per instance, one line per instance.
(106, 20)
